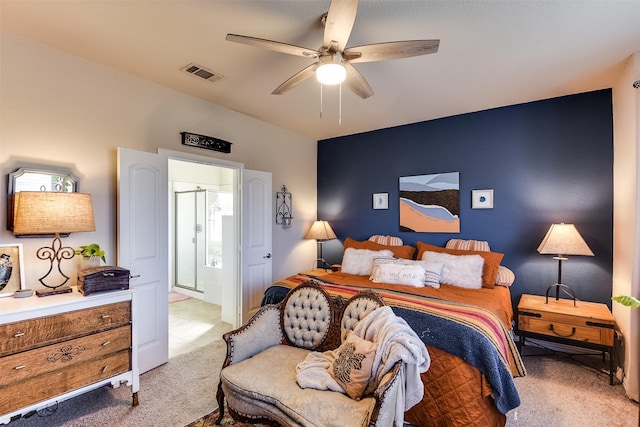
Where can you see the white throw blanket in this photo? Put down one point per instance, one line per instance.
(396, 341)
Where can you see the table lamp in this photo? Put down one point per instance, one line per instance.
(321, 231)
(563, 239)
(46, 213)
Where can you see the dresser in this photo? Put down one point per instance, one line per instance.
(57, 347)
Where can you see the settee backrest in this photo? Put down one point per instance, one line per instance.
(356, 308)
(307, 316)
(312, 319)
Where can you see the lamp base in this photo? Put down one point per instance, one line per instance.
(321, 263)
(56, 291)
(565, 288)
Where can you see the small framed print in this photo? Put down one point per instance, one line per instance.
(11, 269)
(482, 199)
(381, 201)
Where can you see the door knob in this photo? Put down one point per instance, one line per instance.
(267, 256)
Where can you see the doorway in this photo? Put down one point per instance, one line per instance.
(203, 239)
(144, 246)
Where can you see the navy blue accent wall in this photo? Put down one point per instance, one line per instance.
(548, 161)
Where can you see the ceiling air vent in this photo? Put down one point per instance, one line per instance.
(202, 73)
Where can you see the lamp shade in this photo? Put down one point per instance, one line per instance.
(564, 239)
(41, 212)
(321, 230)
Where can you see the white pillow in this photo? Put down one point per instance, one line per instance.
(464, 271)
(399, 274)
(432, 270)
(360, 261)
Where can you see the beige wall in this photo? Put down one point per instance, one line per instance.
(626, 218)
(57, 109)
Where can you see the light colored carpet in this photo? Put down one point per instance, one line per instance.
(556, 392)
(560, 391)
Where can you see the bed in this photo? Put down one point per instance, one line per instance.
(466, 330)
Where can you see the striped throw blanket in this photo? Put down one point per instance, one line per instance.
(472, 333)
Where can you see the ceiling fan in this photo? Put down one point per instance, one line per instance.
(334, 59)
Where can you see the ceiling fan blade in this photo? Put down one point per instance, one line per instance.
(339, 22)
(296, 79)
(357, 83)
(390, 50)
(273, 45)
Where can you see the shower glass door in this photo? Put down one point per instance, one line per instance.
(190, 238)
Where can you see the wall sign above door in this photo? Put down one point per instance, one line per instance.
(207, 142)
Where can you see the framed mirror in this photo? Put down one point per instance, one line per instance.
(37, 179)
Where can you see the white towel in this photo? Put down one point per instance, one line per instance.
(396, 342)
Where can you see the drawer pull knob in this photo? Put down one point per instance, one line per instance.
(573, 331)
(104, 369)
(19, 367)
(108, 274)
(19, 334)
(530, 314)
(65, 354)
(106, 343)
(105, 316)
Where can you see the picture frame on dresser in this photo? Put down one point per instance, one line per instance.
(11, 269)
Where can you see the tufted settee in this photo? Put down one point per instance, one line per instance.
(258, 377)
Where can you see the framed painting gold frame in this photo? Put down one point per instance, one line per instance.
(11, 269)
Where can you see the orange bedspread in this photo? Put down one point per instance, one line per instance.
(497, 300)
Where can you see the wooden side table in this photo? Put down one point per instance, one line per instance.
(585, 324)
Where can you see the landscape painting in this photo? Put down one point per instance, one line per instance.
(430, 203)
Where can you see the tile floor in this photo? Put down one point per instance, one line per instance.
(194, 323)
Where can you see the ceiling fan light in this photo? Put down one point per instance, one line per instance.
(331, 74)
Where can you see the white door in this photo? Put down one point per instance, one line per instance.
(257, 223)
(142, 248)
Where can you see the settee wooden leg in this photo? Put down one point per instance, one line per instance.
(220, 399)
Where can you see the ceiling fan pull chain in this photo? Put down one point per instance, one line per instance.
(320, 100)
(340, 107)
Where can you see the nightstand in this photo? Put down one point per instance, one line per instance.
(585, 324)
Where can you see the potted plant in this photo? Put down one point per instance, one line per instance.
(91, 255)
(627, 300)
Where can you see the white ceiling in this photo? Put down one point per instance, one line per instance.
(492, 53)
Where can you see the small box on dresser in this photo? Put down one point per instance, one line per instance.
(104, 278)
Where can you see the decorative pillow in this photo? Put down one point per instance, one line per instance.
(491, 261)
(360, 261)
(386, 240)
(405, 251)
(505, 276)
(432, 270)
(399, 274)
(353, 364)
(464, 271)
(468, 245)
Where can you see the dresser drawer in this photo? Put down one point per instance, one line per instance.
(63, 355)
(28, 334)
(42, 387)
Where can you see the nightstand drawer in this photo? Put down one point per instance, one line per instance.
(562, 330)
